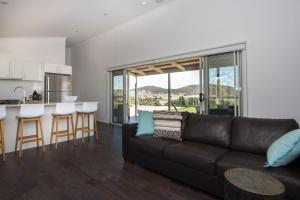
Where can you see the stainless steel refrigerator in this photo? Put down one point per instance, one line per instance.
(57, 86)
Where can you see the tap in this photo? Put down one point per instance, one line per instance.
(24, 93)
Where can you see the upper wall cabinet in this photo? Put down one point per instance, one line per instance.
(5, 60)
(58, 69)
(16, 70)
(32, 72)
(5, 67)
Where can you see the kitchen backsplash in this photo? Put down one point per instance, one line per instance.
(7, 88)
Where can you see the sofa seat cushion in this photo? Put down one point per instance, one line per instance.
(290, 177)
(239, 159)
(198, 156)
(149, 145)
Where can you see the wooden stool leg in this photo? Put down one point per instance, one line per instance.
(21, 137)
(42, 134)
(68, 127)
(52, 129)
(17, 136)
(56, 131)
(37, 132)
(2, 140)
(95, 127)
(89, 128)
(76, 125)
(74, 135)
(82, 138)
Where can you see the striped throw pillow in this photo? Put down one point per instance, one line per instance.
(168, 125)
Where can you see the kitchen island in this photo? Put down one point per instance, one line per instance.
(11, 122)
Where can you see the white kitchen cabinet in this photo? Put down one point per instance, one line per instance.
(58, 69)
(32, 72)
(65, 69)
(4, 56)
(4, 68)
(16, 70)
(51, 68)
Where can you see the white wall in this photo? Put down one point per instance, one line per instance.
(68, 56)
(39, 50)
(270, 27)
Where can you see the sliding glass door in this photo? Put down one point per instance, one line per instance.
(185, 89)
(222, 84)
(152, 92)
(117, 96)
(207, 85)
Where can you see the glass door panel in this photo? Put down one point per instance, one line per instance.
(117, 96)
(185, 91)
(152, 92)
(221, 83)
(131, 98)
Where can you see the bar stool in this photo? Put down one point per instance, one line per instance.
(64, 111)
(88, 108)
(30, 113)
(2, 140)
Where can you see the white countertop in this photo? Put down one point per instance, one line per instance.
(46, 104)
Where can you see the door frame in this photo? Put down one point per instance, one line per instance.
(237, 46)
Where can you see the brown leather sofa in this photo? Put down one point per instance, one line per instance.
(212, 144)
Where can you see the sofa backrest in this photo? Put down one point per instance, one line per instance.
(208, 129)
(255, 135)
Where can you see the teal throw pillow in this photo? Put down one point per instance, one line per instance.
(145, 123)
(284, 150)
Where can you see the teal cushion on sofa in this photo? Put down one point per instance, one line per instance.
(284, 150)
(145, 123)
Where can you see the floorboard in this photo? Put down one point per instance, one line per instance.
(92, 171)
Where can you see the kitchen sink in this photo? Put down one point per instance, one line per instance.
(9, 101)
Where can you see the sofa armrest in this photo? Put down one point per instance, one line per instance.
(128, 131)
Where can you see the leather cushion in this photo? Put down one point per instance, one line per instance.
(198, 156)
(239, 159)
(255, 135)
(149, 145)
(207, 129)
(288, 175)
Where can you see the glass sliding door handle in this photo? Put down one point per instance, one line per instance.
(201, 97)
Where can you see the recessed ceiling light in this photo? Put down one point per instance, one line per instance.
(143, 3)
(3, 2)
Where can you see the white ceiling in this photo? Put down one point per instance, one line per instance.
(77, 20)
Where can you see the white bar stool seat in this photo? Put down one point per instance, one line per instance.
(2, 139)
(63, 111)
(88, 108)
(30, 113)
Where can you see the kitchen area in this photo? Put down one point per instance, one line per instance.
(34, 83)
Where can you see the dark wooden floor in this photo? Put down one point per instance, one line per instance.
(90, 171)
